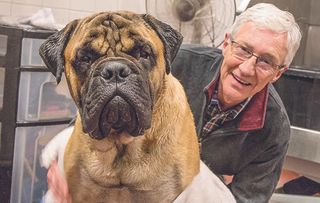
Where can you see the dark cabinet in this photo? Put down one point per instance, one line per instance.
(32, 110)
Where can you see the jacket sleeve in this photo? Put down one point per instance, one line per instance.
(256, 181)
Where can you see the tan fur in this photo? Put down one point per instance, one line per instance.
(154, 167)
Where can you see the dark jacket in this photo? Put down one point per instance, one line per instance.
(251, 147)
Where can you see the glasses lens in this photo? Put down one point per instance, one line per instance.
(243, 53)
(265, 64)
(240, 51)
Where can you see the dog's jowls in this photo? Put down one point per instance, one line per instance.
(134, 138)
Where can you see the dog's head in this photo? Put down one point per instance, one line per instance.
(115, 64)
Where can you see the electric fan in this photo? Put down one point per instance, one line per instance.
(199, 21)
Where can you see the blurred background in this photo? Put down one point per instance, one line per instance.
(67, 10)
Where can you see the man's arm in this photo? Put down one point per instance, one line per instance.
(256, 182)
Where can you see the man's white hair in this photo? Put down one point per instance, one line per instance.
(268, 16)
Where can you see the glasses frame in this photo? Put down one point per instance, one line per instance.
(274, 66)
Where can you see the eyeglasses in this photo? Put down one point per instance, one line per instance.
(243, 53)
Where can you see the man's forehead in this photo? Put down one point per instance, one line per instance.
(263, 41)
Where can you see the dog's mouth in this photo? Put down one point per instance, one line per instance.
(118, 115)
(115, 115)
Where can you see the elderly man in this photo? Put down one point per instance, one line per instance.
(243, 126)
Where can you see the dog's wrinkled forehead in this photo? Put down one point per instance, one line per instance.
(111, 33)
(118, 19)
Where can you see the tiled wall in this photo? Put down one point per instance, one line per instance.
(67, 10)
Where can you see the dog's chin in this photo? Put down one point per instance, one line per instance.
(118, 120)
(122, 138)
(103, 145)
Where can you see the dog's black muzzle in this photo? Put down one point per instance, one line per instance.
(117, 97)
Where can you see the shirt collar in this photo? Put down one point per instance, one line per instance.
(235, 109)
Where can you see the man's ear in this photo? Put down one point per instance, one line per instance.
(52, 50)
(171, 39)
(225, 42)
(279, 73)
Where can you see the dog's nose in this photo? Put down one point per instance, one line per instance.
(114, 69)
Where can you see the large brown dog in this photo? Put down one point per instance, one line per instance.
(134, 138)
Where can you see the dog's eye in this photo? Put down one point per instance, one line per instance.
(140, 52)
(135, 52)
(84, 56)
(85, 59)
(144, 54)
(87, 55)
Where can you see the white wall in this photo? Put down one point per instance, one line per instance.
(67, 10)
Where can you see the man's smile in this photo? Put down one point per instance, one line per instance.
(241, 81)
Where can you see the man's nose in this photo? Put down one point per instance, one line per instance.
(248, 67)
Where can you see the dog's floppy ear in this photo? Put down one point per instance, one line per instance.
(52, 50)
(171, 38)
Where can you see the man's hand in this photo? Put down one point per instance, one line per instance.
(58, 184)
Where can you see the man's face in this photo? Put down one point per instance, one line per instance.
(240, 79)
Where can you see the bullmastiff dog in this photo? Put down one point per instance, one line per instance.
(134, 138)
